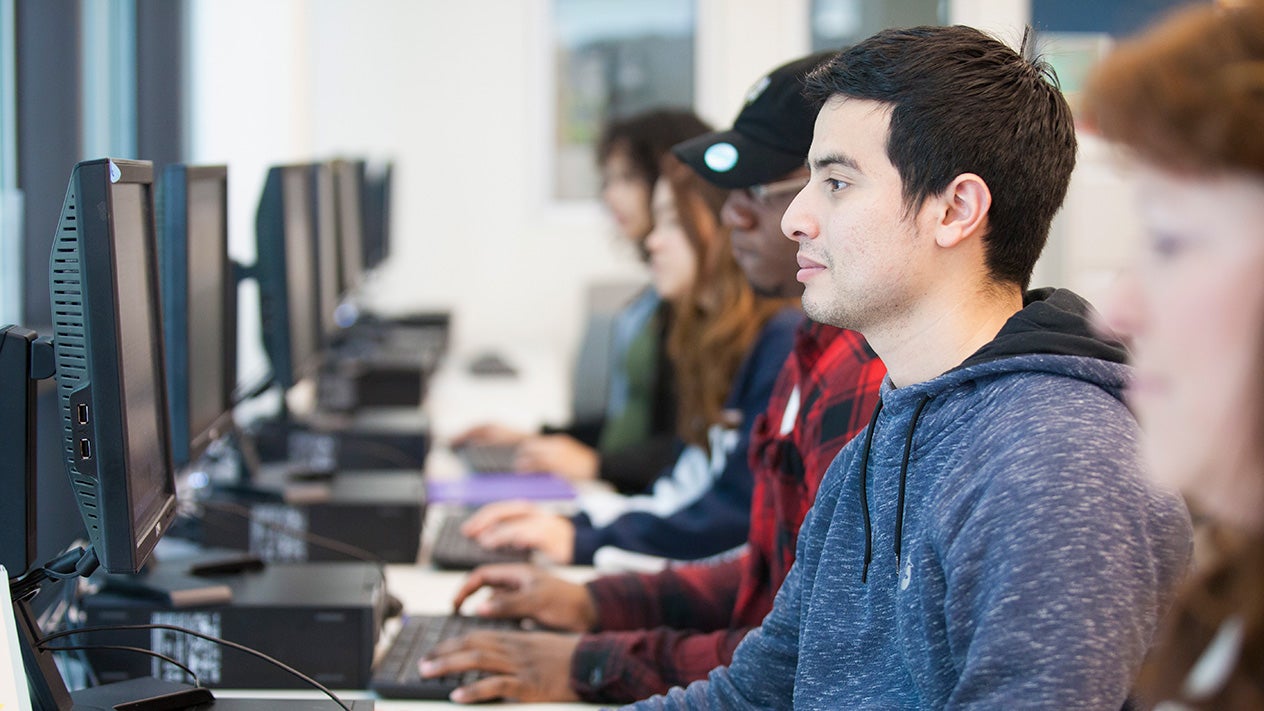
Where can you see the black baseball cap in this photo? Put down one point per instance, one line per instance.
(770, 137)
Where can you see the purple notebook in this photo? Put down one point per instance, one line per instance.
(479, 489)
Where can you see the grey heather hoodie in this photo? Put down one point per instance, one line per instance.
(989, 542)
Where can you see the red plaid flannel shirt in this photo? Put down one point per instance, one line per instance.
(671, 628)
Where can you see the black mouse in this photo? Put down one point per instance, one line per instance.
(490, 363)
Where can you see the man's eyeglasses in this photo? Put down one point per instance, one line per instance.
(765, 192)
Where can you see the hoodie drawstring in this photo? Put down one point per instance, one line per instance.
(864, 493)
(908, 449)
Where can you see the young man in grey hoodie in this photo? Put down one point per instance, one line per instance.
(990, 540)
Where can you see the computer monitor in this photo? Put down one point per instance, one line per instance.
(325, 213)
(18, 469)
(285, 239)
(109, 354)
(348, 184)
(377, 213)
(199, 297)
(38, 514)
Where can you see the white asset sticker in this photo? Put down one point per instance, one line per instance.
(14, 694)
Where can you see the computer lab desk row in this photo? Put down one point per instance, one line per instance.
(457, 399)
(422, 590)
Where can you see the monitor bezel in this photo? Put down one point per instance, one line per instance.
(349, 198)
(272, 269)
(93, 407)
(189, 442)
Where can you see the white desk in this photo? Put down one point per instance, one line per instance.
(457, 399)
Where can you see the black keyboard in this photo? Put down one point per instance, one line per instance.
(488, 458)
(453, 550)
(396, 675)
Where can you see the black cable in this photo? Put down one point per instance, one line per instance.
(243, 393)
(68, 620)
(210, 638)
(127, 648)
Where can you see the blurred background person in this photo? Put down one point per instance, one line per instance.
(727, 344)
(635, 440)
(1187, 100)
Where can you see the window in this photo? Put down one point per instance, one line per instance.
(10, 198)
(836, 23)
(613, 58)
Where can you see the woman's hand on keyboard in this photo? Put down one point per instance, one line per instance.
(562, 455)
(522, 524)
(519, 590)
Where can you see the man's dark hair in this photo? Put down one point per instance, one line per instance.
(647, 137)
(963, 102)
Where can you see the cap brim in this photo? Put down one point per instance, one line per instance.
(752, 163)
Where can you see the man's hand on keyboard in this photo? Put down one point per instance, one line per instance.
(525, 591)
(521, 524)
(523, 666)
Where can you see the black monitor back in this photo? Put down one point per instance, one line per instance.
(285, 239)
(199, 296)
(325, 214)
(349, 185)
(377, 213)
(103, 283)
(18, 466)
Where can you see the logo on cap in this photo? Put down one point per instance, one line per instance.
(721, 157)
(757, 88)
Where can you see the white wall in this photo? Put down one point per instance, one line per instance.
(458, 94)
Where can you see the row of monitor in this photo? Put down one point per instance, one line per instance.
(319, 229)
(145, 321)
(311, 251)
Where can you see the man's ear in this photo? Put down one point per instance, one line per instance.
(964, 210)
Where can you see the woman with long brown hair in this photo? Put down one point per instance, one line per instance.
(1187, 99)
(630, 443)
(727, 345)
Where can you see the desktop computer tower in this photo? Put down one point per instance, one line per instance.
(354, 383)
(371, 439)
(382, 364)
(283, 516)
(322, 619)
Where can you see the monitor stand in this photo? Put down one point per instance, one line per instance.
(48, 689)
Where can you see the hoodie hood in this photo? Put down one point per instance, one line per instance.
(1052, 321)
(1052, 333)
(1053, 324)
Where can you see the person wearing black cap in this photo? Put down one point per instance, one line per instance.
(673, 627)
(761, 160)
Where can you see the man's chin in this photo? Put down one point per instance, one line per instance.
(822, 312)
